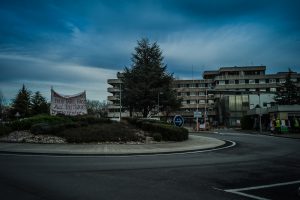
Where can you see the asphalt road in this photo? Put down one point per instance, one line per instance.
(256, 160)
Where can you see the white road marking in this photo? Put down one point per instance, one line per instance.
(250, 196)
(239, 190)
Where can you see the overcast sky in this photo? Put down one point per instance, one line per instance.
(78, 45)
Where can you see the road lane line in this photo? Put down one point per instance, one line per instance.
(263, 186)
(238, 191)
(249, 196)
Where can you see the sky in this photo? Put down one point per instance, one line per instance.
(76, 45)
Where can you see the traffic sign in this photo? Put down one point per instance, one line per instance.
(178, 120)
(197, 114)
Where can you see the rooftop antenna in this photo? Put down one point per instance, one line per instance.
(193, 73)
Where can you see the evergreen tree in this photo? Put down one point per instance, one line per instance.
(21, 104)
(39, 104)
(95, 107)
(147, 80)
(2, 104)
(288, 92)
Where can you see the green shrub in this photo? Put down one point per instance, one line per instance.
(115, 132)
(25, 124)
(47, 129)
(4, 130)
(90, 119)
(167, 131)
(157, 137)
(247, 123)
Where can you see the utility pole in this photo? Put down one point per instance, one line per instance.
(158, 102)
(260, 128)
(205, 108)
(120, 101)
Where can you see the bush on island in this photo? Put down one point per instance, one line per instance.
(168, 132)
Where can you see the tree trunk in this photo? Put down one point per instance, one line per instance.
(130, 111)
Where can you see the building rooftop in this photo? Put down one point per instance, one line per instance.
(242, 68)
(210, 72)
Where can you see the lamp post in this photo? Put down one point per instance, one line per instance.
(205, 108)
(120, 101)
(260, 128)
(158, 102)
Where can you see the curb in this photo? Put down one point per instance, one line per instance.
(228, 144)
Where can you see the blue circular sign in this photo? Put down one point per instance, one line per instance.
(178, 120)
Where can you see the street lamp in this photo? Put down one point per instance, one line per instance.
(120, 101)
(260, 131)
(205, 108)
(158, 102)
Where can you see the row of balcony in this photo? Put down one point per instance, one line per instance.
(113, 89)
(246, 86)
(114, 81)
(190, 89)
(209, 97)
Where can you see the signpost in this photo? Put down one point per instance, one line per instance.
(178, 121)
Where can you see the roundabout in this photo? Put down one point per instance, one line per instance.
(195, 143)
(258, 166)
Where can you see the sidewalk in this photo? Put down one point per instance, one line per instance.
(286, 135)
(192, 144)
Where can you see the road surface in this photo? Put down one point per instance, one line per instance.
(247, 171)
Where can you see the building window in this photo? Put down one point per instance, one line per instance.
(201, 93)
(193, 102)
(262, 90)
(179, 94)
(193, 94)
(193, 85)
(187, 94)
(231, 82)
(221, 82)
(294, 80)
(272, 89)
(187, 101)
(281, 80)
(251, 81)
(184, 102)
(262, 81)
(201, 101)
(272, 80)
(252, 90)
(241, 81)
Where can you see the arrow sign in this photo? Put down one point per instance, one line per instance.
(178, 120)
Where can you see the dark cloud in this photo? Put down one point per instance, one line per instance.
(50, 40)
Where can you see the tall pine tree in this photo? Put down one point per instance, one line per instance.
(147, 81)
(39, 104)
(21, 104)
(288, 92)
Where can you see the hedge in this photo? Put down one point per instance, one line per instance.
(168, 132)
(60, 121)
(4, 129)
(247, 123)
(99, 133)
(26, 124)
